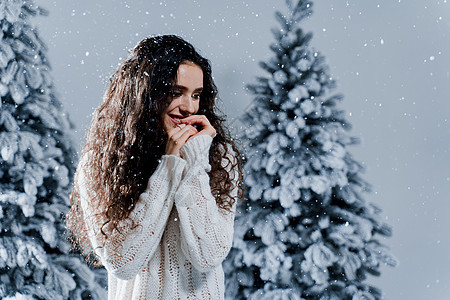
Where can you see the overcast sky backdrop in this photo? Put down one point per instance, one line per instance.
(390, 60)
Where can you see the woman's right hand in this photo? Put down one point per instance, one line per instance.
(177, 137)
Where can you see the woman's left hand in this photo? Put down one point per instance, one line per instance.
(205, 126)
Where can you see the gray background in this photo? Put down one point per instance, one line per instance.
(389, 59)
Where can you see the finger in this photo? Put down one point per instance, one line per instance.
(202, 119)
(176, 129)
(178, 138)
(185, 137)
(172, 132)
(204, 123)
(178, 133)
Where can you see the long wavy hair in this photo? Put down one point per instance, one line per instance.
(126, 138)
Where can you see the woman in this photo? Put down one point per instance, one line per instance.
(156, 188)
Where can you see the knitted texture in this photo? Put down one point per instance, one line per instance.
(182, 237)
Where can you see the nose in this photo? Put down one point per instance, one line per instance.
(187, 104)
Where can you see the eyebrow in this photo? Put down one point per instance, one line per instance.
(183, 88)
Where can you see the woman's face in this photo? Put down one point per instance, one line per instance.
(185, 94)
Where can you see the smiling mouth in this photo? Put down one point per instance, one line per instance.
(176, 119)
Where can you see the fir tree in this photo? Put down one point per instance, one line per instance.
(36, 169)
(306, 231)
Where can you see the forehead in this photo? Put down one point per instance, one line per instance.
(189, 75)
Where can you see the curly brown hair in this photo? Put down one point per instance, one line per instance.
(126, 138)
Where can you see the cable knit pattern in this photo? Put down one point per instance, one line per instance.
(177, 250)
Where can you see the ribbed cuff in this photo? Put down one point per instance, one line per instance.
(196, 150)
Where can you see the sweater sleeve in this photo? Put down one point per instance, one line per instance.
(206, 229)
(125, 253)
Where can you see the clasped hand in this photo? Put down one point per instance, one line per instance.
(185, 130)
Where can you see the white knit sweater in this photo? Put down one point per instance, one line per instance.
(177, 250)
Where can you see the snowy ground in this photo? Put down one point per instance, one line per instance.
(389, 60)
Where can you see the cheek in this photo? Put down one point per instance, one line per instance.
(197, 107)
(170, 107)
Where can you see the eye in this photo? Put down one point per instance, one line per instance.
(196, 96)
(176, 94)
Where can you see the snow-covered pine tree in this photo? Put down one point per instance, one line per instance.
(36, 168)
(306, 231)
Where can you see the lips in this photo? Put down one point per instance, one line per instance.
(176, 119)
